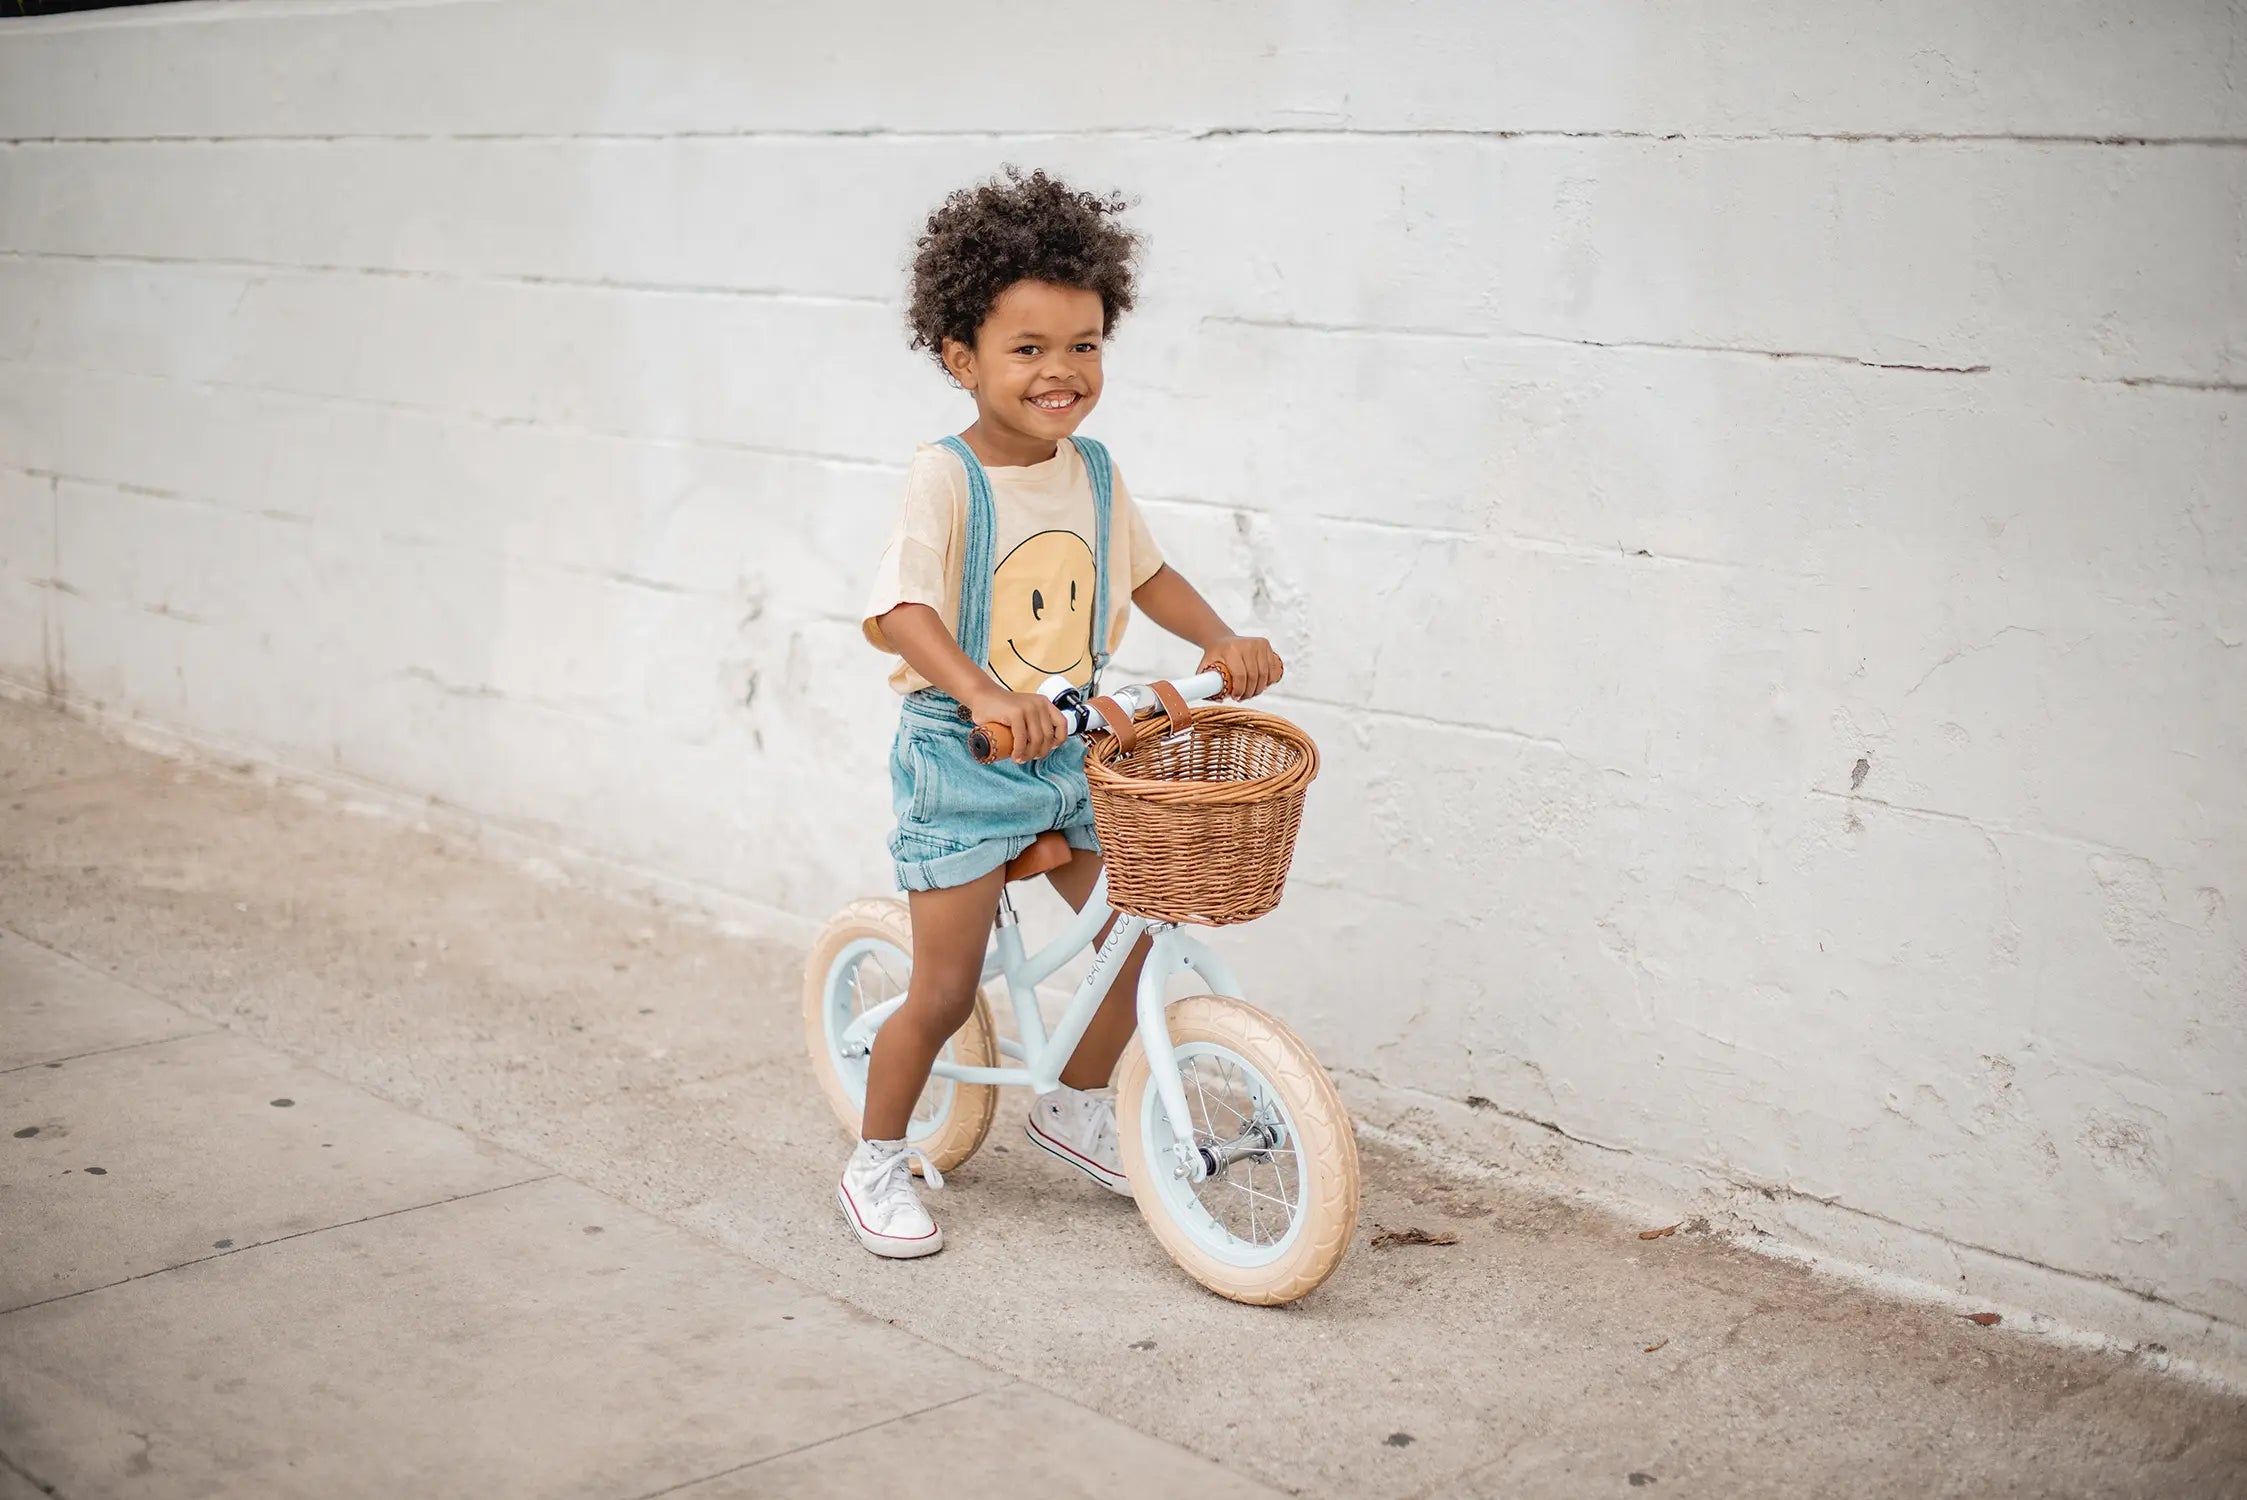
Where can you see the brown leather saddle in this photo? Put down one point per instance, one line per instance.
(1050, 852)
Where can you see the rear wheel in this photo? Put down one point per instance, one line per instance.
(1275, 1215)
(863, 959)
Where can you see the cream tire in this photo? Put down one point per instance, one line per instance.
(1270, 1073)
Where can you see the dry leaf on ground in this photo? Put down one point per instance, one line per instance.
(1987, 1320)
(1650, 1348)
(1661, 1234)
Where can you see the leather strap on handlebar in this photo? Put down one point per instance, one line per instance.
(1174, 706)
(1118, 722)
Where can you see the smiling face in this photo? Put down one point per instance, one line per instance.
(1041, 612)
(1034, 369)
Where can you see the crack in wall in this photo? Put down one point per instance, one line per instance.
(2179, 383)
(1490, 1106)
(260, 268)
(2068, 840)
(1965, 651)
(1640, 346)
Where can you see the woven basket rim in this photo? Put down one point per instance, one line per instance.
(1105, 748)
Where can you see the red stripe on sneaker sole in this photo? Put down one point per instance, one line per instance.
(850, 1204)
(1082, 1163)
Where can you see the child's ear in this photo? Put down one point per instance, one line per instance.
(959, 359)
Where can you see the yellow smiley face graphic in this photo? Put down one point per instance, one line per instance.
(1041, 612)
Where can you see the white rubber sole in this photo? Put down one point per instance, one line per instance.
(1114, 1182)
(887, 1246)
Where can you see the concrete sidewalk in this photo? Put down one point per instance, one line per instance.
(483, 1068)
(231, 1274)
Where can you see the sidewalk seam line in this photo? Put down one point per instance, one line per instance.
(154, 1041)
(823, 1442)
(142, 990)
(388, 1213)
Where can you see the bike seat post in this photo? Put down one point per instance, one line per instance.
(1006, 917)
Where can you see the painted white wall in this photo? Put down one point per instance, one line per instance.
(1754, 496)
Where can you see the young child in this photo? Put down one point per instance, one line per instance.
(1018, 558)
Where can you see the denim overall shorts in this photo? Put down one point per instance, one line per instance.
(957, 820)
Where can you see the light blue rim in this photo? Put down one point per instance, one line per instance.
(1182, 1200)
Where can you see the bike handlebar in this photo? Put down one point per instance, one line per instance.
(995, 742)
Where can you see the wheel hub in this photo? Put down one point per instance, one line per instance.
(1253, 1144)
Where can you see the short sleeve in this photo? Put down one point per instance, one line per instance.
(917, 565)
(1144, 558)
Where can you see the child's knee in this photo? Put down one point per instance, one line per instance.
(947, 1004)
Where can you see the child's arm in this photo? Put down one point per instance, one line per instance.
(918, 634)
(1178, 607)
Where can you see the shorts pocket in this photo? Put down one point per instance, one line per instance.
(921, 762)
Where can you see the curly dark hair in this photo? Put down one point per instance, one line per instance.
(1016, 227)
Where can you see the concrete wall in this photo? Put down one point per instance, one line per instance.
(1755, 498)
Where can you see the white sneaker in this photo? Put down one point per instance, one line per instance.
(1079, 1127)
(877, 1196)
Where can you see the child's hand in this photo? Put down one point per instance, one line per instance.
(1037, 726)
(1252, 664)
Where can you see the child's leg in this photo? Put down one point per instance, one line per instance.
(951, 932)
(1094, 1061)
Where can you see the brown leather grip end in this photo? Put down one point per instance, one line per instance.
(1174, 706)
(1118, 722)
(991, 742)
(1225, 675)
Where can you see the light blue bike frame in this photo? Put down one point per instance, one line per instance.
(1043, 1056)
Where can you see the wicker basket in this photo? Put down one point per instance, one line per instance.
(1200, 826)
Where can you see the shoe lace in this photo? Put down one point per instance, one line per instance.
(1100, 1118)
(889, 1181)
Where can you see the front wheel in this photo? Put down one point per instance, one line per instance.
(1273, 1218)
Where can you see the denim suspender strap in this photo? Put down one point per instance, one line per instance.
(974, 629)
(1102, 474)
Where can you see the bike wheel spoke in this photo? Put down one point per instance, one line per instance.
(1255, 1197)
(1208, 1126)
(1294, 1165)
(1224, 1071)
(1233, 1109)
(1267, 1213)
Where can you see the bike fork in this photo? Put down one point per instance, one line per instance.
(1170, 955)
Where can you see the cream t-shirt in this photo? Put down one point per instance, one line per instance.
(1042, 587)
